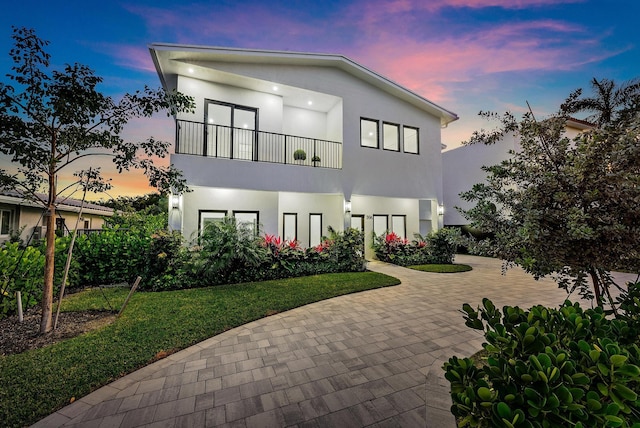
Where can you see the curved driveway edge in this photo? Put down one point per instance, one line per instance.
(367, 359)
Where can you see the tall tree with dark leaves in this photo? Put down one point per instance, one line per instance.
(564, 207)
(49, 119)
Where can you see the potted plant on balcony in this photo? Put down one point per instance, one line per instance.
(316, 160)
(299, 155)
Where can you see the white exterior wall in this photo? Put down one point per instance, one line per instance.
(216, 199)
(304, 123)
(270, 109)
(330, 206)
(375, 180)
(462, 168)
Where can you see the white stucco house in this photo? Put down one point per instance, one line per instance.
(462, 168)
(368, 150)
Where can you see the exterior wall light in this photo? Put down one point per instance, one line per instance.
(175, 202)
(347, 206)
(440, 209)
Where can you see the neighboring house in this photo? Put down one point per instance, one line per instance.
(17, 212)
(462, 168)
(372, 149)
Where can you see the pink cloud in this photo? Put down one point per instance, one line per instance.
(131, 56)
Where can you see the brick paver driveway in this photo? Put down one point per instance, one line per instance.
(367, 359)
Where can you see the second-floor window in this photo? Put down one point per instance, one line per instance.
(411, 143)
(369, 133)
(391, 136)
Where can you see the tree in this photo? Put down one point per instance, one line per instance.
(49, 119)
(609, 102)
(151, 203)
(564, 207)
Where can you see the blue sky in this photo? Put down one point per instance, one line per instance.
(466, 55)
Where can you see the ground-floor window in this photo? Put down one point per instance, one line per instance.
(357, 222)
(290, 226)
(249, 219)
(399, 225)
(315, 229)
(380, 224)
(5, 221)
(60, 226)
(208, 217)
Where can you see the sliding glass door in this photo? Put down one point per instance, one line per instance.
(230, 130)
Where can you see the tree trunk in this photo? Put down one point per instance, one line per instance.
(597, 286)
(49, 267)
(49, 255)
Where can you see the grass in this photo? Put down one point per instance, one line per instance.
(445, 268)
(36, 383)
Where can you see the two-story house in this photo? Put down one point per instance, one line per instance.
(297, 142)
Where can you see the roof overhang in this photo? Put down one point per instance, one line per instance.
(174, 59)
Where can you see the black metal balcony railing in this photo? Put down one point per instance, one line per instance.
(202, 139)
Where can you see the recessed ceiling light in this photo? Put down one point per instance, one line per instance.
(190, 70)
(310, 102)
(275, 88)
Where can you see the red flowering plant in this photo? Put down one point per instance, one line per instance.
(437, 247)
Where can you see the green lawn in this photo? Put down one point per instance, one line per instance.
(36, 383)
(453, 268)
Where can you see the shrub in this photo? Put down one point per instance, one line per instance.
(114, 255)
(21, 269)
(164, 261)
(226, 253)
(437, 247)
(548, 368)
(299, 155)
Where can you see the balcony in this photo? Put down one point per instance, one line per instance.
(217, 141)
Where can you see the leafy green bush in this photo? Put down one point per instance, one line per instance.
(230, 253)
(112, 256)
(436, 248)
(20, 270)
(227, 252)
(131, 244)
(548, 368)
(164, 261)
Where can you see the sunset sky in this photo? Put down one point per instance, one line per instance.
(466, 55)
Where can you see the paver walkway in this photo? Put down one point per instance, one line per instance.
(366, 359)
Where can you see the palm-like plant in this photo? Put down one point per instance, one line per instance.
(608, 103)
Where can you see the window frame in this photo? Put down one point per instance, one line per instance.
(200, 217)
(386, 219)
(257, 213)
(295, 225)
(404, 225)
(377, 136)
(5, 214)
(404, 146)
(311, 244)
(384, 136)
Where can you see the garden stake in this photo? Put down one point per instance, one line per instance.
(135, 285)
(19, 298)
